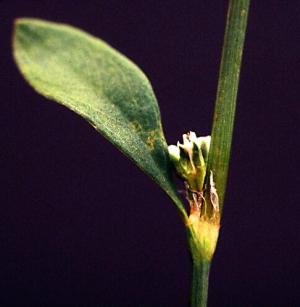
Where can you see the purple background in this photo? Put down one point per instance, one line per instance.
(79, 223)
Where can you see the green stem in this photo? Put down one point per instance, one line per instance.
(227, 93)
(221, 136)
(200, 284)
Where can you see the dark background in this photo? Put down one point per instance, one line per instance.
(79, 223)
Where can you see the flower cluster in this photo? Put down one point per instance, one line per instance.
(190, 159)
(190, 162)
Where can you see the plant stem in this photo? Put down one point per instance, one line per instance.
(200, 283)
(225, 105)
(221, 136)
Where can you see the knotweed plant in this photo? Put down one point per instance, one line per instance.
(94, 80)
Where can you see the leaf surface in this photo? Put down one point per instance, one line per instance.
(95, 81)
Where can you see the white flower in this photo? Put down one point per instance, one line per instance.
(190, 159)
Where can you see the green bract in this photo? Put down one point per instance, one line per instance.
(92, 79)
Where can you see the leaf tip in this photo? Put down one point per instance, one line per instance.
(16, 24)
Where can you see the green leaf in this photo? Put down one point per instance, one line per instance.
(95, 81)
